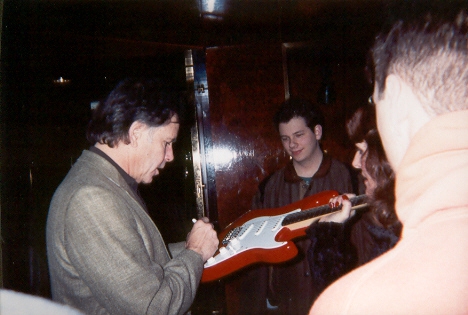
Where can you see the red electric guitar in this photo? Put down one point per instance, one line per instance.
(265, 235)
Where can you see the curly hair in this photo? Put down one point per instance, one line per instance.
(132, 100)
(359, 124)
(361, 127)
(382, 199)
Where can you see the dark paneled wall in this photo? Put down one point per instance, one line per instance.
(246, 86)
(335, 79)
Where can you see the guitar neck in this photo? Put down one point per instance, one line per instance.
(356, 203)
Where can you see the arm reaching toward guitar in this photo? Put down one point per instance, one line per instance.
(344, 214)
(203, 239)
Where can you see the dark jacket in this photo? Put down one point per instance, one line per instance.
(285, 187)
(336, 248)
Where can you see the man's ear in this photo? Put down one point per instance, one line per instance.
(409, 109)
(135, 132)
(318, 132)
(394, 94)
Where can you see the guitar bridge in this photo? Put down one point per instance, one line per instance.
(231, 234)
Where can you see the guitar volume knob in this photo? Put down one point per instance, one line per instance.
(235, 244)
(223, 251)
(210, 261)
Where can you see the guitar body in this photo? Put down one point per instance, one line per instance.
(259, 236)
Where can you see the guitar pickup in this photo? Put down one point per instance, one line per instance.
(260, 229)
(278, 223)
(244, 233)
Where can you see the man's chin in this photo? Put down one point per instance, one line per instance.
(297, 159)
(148, 180)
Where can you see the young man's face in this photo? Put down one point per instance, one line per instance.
(154, 150)
(301, 143)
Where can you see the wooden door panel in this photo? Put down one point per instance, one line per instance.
(246, 86)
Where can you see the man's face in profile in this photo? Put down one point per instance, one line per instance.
(154, 150)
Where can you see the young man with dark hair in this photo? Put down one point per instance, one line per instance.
(288, 288)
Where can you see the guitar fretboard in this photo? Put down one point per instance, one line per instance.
(318, 211)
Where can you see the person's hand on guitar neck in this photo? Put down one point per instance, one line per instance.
(203, 239)
(342, 215)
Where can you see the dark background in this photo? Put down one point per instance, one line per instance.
(94, 44)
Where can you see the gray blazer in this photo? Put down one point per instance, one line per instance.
(106, 255)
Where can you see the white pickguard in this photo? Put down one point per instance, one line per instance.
(258, 233)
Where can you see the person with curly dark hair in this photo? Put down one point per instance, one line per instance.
(340, 243)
